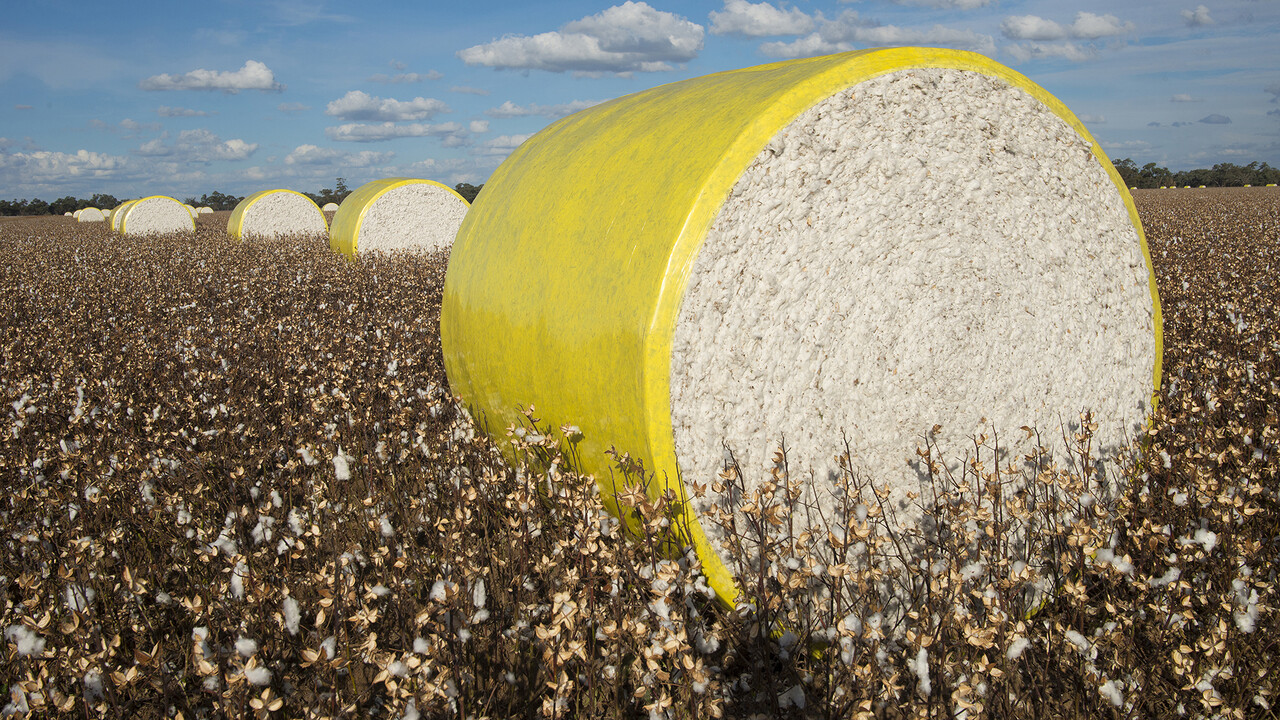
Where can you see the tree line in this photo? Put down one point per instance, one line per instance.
(215, 200)
(1220, 175)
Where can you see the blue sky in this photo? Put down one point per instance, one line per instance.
(239, 95)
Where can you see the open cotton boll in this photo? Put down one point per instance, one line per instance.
(889, 262)
(156, 215)
(246, 647)
(29, 642)
(398, 214)
(258, 675)
(292, 615)
(273, 213)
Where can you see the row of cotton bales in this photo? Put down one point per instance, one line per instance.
(382, 215)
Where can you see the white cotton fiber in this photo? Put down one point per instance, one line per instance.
(420, 216)
(330, 207)
(204, 211)
(156, 215)
(90, 214)
(282, 212)
(927, 247)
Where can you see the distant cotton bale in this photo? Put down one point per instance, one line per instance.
(190, 211)
(69, 214)
(157, 214)
(90, 214)
(204, 210)
(398, 214)
(330, 207)
(272, 213)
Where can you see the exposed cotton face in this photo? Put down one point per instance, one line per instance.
(156, 215)
(927, 247)
(283, 213)
(420, 217)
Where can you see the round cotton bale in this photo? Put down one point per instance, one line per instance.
(190, 210)
(272, 213)
(330, 207)
(204, 210)
(117, 215)
(69, 214)
(90, 214)
(154, 215)
(843, 249)
(398, 214)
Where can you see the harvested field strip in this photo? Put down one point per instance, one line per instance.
(232, 477)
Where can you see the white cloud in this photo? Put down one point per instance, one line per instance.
(740, 17)
(362, 132)
(479, 126)
(357, 105)
(173, 112)
(945, 4)
(1198, 17)
(253, 76)
(503, 144)
(1127, 145)
(632, 37)
(314, 155)
(1087, 26)
(849, 31)
(198, 146)
(1041, 51)
(406, 77)
(509, 109)
(43, 166)
(1093, 119)
(1184, 97)
(292, 107)
(467, 90)
(1273, 90)
(1215, 119)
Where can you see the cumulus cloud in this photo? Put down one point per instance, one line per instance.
(1184, 97)
(198, 146)
(509, 109)
(315, 155)
(1153, 123)
(739, 17)
(1181, 123)
(173, 112)
(252, 76)
(503, 144)
(1198, 17)
(849, 31)
(1041, 51)
(1087, 26)
(479, 126)
(357, 105)
(364, 132)
(1215, 119)
(405, 77)
(943, 4)
(42, 166)
(1093, 119)
(632, 37)
(292, 107)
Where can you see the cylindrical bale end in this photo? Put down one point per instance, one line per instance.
(156, 215)
(835, 252)
(398, 214)
(273, 213)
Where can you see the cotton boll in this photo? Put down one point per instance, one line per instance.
(384, 527)
(29, 642)
(1017, 647)
(292, 615)
(78, 597)
(330, 647)
(246, 647)
(411, 710)
(238, 575)
(341, 471)
(258, 675)
(93, 686)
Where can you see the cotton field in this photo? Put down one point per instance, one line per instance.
(236, 485)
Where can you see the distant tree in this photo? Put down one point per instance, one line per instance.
(36, 207)
(1129, 172)
(101, 201)
(336, 194)
(64, 205)
(468, 191)
(219, 201)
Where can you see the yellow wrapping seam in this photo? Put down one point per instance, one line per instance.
(235, 225)
(125, 218)
(566, 277)
(117, 215)
(344, 233)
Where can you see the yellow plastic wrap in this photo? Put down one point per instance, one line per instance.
(344, 233)
(124, 216)
(566, 277)
(235, 225)
(117, 215)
